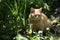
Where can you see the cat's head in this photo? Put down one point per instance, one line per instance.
(35, 13)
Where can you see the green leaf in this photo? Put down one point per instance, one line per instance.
(46, 6)
(20, 37)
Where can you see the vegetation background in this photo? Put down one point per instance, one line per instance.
(14, 19)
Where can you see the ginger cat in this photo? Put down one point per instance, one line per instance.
(39, 20)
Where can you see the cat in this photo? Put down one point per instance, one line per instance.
(38, 19)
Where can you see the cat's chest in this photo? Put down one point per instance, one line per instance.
(39, 23)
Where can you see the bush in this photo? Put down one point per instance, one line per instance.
(14, 18)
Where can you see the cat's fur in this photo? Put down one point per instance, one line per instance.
(39, 20)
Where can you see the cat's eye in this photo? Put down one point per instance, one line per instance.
(35, 15)
(32, 15)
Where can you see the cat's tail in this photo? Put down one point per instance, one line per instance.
(55, 20)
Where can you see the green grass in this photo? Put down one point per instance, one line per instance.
(14, 18)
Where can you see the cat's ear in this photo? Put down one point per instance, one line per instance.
(32, 10)
(40, 9)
